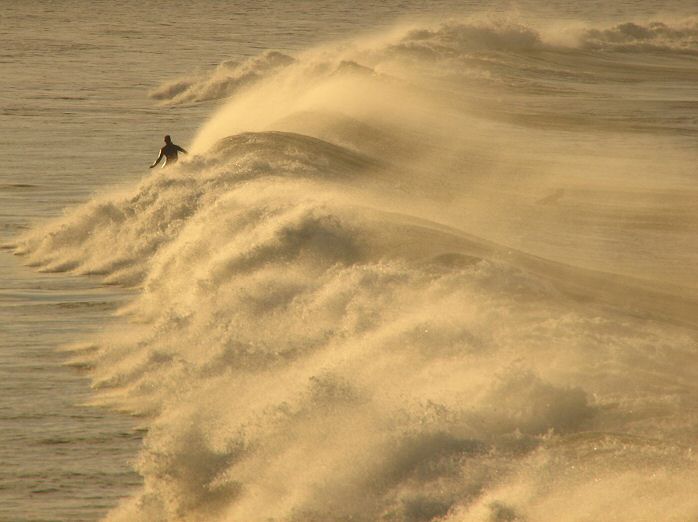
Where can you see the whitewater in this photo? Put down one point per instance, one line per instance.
(445, 270)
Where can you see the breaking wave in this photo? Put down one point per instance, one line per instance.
(478, 39)
(345, 312)
(652, 37)
(228, 78)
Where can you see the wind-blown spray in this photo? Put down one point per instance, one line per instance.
(382, 289)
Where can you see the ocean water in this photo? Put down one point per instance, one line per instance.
(424, 261)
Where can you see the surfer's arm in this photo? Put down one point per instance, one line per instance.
(180, 149)
(158, 160)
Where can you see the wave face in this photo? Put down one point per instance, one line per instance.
(432, 274)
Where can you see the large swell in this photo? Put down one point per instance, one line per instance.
(437, 273)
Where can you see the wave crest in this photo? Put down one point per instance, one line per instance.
(649, 37)
(227, 79)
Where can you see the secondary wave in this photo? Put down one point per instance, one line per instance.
(475, 47)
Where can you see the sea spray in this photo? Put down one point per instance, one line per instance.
(343, 314)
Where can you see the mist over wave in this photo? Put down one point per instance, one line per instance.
(229, 77)
(433, 274)
(480, 37)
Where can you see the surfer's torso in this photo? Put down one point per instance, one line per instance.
(170, 152)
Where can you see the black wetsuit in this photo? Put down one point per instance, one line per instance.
(169, 152)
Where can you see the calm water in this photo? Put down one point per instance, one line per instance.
(76, 120)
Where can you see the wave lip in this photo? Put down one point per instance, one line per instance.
(227, 79)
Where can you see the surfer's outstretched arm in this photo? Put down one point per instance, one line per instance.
(158, 160)
(180, 149)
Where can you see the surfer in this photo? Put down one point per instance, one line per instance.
(169, 151)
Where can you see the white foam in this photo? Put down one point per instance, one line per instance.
(332, 322)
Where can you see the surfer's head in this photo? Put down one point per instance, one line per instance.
(168, 139)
